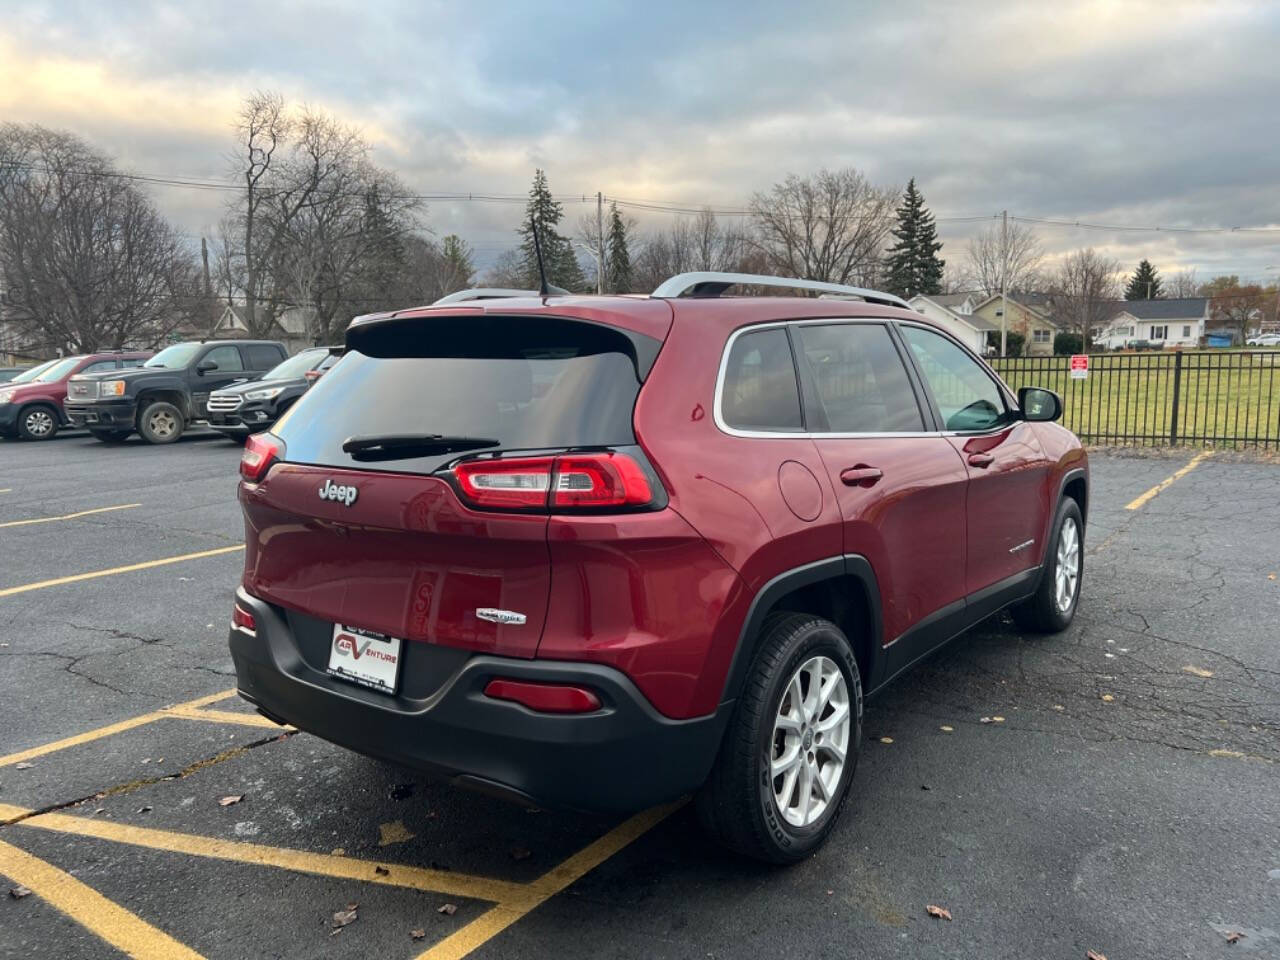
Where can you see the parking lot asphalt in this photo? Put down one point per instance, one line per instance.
(1115, 788)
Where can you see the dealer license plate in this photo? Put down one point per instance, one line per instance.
(364, 657)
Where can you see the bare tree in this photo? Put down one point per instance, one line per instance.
(1183, 284)
(997, 256)
(831, 226)
(1085, 289)
(87, 260)
(701, 242)
(507, 271)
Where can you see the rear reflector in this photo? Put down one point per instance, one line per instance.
(242, 619)
(578, 481)
(261, 450)
(544, 697)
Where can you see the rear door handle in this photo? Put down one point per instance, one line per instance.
(981, 460)
(860, 476)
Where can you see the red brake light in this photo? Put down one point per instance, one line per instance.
(544, 697)
(261, 450)
(522, 482)
(576, 481)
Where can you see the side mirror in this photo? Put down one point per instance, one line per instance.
(1039, 405)
(204, 366)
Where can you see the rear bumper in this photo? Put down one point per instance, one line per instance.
(620, 758)
(103, 415)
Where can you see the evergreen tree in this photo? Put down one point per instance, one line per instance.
(617, 257)
(561, 263)
(912, 265)
(1144, 284)
(458, 262)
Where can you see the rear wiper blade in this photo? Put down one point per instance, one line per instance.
(403, 445)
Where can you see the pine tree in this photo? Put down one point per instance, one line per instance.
(1144, 284)
(458, 262)
(912, 265)
(561, 263)
(618, 257)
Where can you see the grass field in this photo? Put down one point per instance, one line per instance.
(1225, 398)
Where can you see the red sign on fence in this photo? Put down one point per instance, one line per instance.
(1080, 366)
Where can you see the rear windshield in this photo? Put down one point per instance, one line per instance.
(506, 384)
(295, 366)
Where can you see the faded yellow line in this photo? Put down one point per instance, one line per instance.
(68, 516)
(7, 490)
(100, 732)
(225, 716)
(493, 921)
(76, 578)
(300, 861)
(1144, 499)
(125, 931)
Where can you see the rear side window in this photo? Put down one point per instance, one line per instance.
(860, 379)
(760, 390)
(261, 356)
(529, 385)
(99, 365)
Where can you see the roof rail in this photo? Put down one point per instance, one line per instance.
(493, 293)
(712, 284)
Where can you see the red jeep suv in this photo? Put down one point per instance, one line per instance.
(600, 552)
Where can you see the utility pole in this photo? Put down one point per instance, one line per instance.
(1004, 283)
(600, 241)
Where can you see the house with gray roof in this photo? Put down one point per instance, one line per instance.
(1174, 323)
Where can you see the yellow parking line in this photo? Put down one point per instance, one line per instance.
(7, 490)
(493, 921)
(301, 861)
(125, 931)
(76, 578)
(226, 716)
(1141, 501)
(111, 728)
(68, 516)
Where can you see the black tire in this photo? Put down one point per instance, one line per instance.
(111, 436)
(38, 422)
(737, 805)
(160, 422)
(1042, 612)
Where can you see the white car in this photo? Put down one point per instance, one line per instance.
(1264, 340)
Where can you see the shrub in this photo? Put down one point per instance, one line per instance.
(1067, 343)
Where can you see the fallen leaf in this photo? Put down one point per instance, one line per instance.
(1059, 707)
(997, 719)
(146, 809)
(393, 832)
(1107, 698)
(448, 909)
(985, 720)
(344, 917)
(337, 852)
(942, 913)
(520, 853)
(418, 934)
(925, 786)
(24, 765)
(1094, 955)
(381, 871)
(1271, 576)
(1197, 671)
(830, 892)
(946, 729)
(886, 739)
(19, 892)
(228, 801)
(1234, 937)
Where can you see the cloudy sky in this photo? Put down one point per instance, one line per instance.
(1119, 113)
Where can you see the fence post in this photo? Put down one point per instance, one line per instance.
(1177, 392)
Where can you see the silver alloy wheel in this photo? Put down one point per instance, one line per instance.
(162, 423)
(810, 741)
(1066, 571)
(39, 423)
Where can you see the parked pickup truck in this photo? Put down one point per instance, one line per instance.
(168, 392)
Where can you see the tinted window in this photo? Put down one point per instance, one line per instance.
(860, 379)
(966, 396)
(129, 362)
(227, 358)
(263, 357)
(528, 385)
(295, 366)
(760, 391)
(99, 365)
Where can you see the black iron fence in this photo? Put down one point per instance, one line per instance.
(1220, 398)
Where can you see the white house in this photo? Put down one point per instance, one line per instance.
(954, 313)
(1173, 323)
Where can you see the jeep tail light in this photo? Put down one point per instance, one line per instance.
(242, 619)
(580, 481)
(544, 697)
(261, 450)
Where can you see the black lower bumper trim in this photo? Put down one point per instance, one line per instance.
(621, 758)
